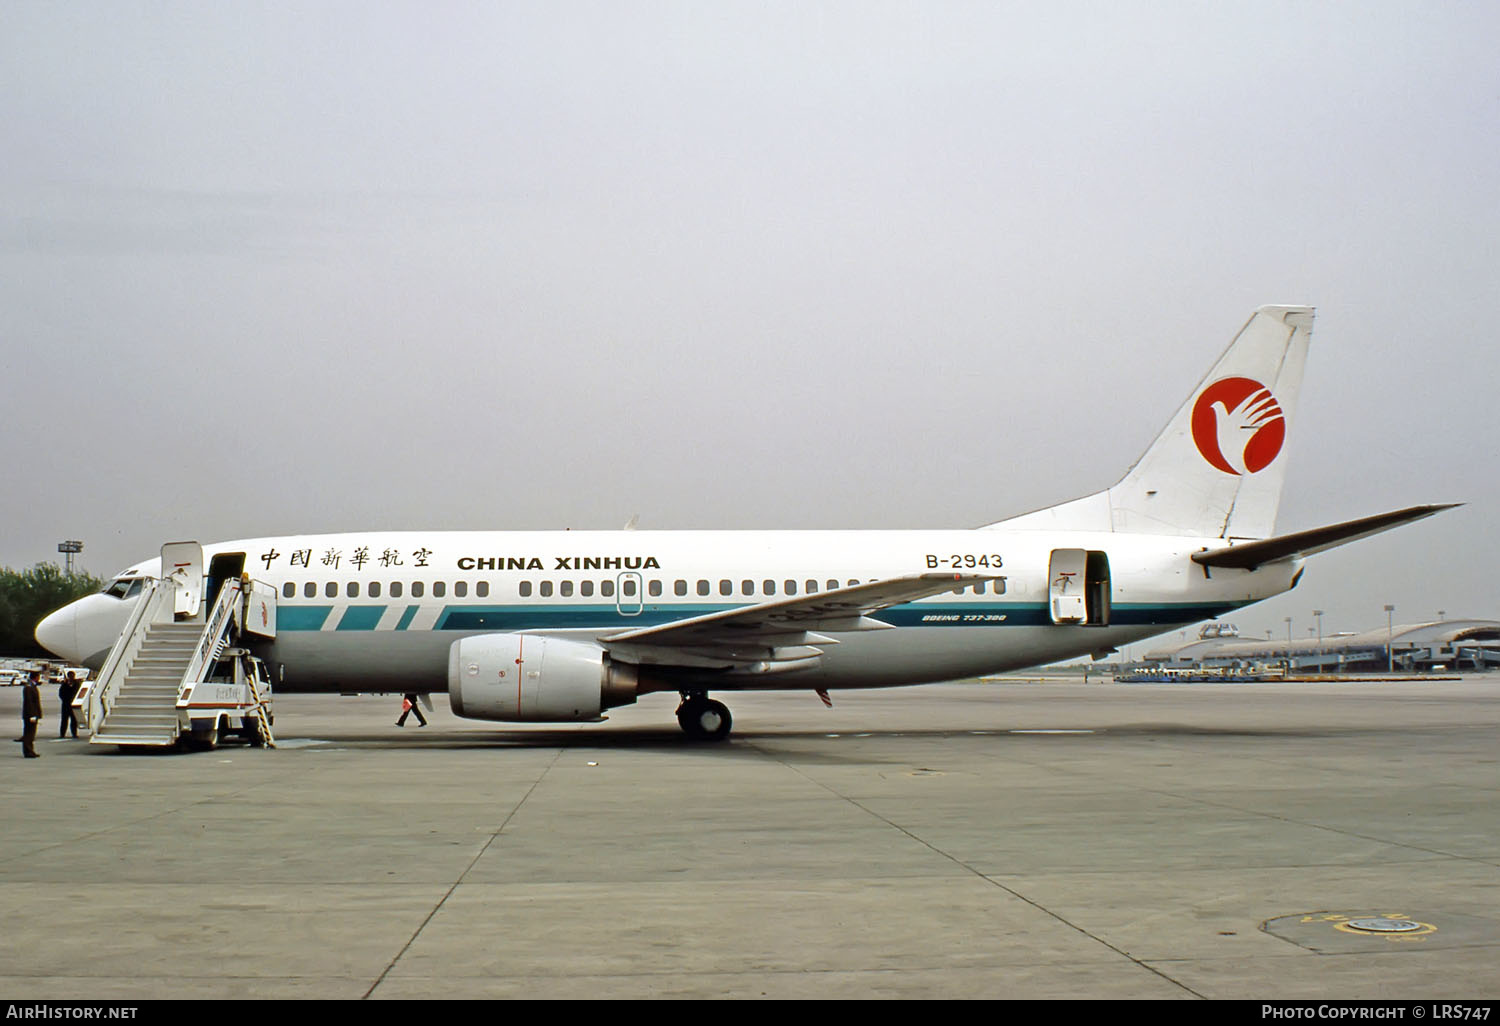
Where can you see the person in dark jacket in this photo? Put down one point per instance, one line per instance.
(67, 692)
(31, 713)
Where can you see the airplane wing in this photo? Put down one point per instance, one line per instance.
(1250, 555)
(777, 636)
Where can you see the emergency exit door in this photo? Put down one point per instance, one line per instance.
(1078, 587)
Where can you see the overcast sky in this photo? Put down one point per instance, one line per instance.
(290, 267)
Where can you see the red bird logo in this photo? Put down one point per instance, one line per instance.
(1238, 426)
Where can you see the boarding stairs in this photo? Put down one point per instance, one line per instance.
(145, 709)
(142, 693)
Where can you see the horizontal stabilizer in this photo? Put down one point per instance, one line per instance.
(1249, 555)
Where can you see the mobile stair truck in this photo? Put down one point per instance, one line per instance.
(181, 674)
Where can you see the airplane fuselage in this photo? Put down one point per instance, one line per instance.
(379, 611)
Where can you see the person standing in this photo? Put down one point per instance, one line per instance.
(67, 692)
(31, 713)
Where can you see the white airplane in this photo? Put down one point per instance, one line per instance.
(561, 626)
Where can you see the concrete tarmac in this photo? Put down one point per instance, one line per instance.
(978, 840)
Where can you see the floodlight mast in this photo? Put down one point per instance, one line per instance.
(69, 549)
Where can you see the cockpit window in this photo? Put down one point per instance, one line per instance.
(125, 587)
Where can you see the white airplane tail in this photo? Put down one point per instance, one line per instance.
(1217, 469)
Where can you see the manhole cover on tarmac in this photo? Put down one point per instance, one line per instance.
(1382, 925)
(1368, 930)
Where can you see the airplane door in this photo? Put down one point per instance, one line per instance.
(1098, 588)
(629, 599)
(225, 567)
(1065, 585)
(1079, 587)
(182, 565)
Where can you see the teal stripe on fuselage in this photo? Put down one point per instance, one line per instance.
(301, 618)
(562, 617)
(529, 617)
(361, 618)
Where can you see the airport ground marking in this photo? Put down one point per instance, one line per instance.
(467, 870)
(971, 870)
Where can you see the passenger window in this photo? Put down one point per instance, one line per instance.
(770, 587)
(747, 587)
(439, 589)
(607, 589)
(586, 588)
(791, 587)
(703, 588)
(288, 590)
(654, 589)
(309, 590)
(352, 589)
(546, 589)
(331, 590)
(482, 589)
(567, 589)
(853, 583)
(832, 585)
(460, 589)
(627, 587)
(417, 589)
(373, 590)
(395, 589)
(526, 589)
(812, 587)
(679, 587)
(726, 587)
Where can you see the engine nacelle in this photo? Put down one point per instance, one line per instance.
(532, 679)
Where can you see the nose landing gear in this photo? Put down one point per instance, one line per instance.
(702, 718)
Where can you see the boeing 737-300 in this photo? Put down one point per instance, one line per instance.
(562, 626)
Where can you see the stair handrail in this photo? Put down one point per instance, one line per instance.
(216, 623)
(101, 697)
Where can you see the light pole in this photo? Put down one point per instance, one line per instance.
(1390, 659)
(1288, 620)
(1318, 613)
(69, 549)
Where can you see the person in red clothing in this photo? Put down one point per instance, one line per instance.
(409, 706)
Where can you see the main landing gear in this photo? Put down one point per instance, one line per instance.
(702, 718)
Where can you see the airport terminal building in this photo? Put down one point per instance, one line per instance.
(1440, 646)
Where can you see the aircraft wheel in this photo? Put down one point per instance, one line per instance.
(704, 719)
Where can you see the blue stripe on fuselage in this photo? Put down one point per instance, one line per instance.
(562, 617)
(361, 618)
(301, 618)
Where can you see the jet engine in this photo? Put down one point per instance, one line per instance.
(535, 679)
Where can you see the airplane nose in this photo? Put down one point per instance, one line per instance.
(58, 633)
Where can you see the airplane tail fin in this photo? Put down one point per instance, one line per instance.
(1217, 469)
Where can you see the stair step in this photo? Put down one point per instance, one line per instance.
(137, 723)
(152, 740)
